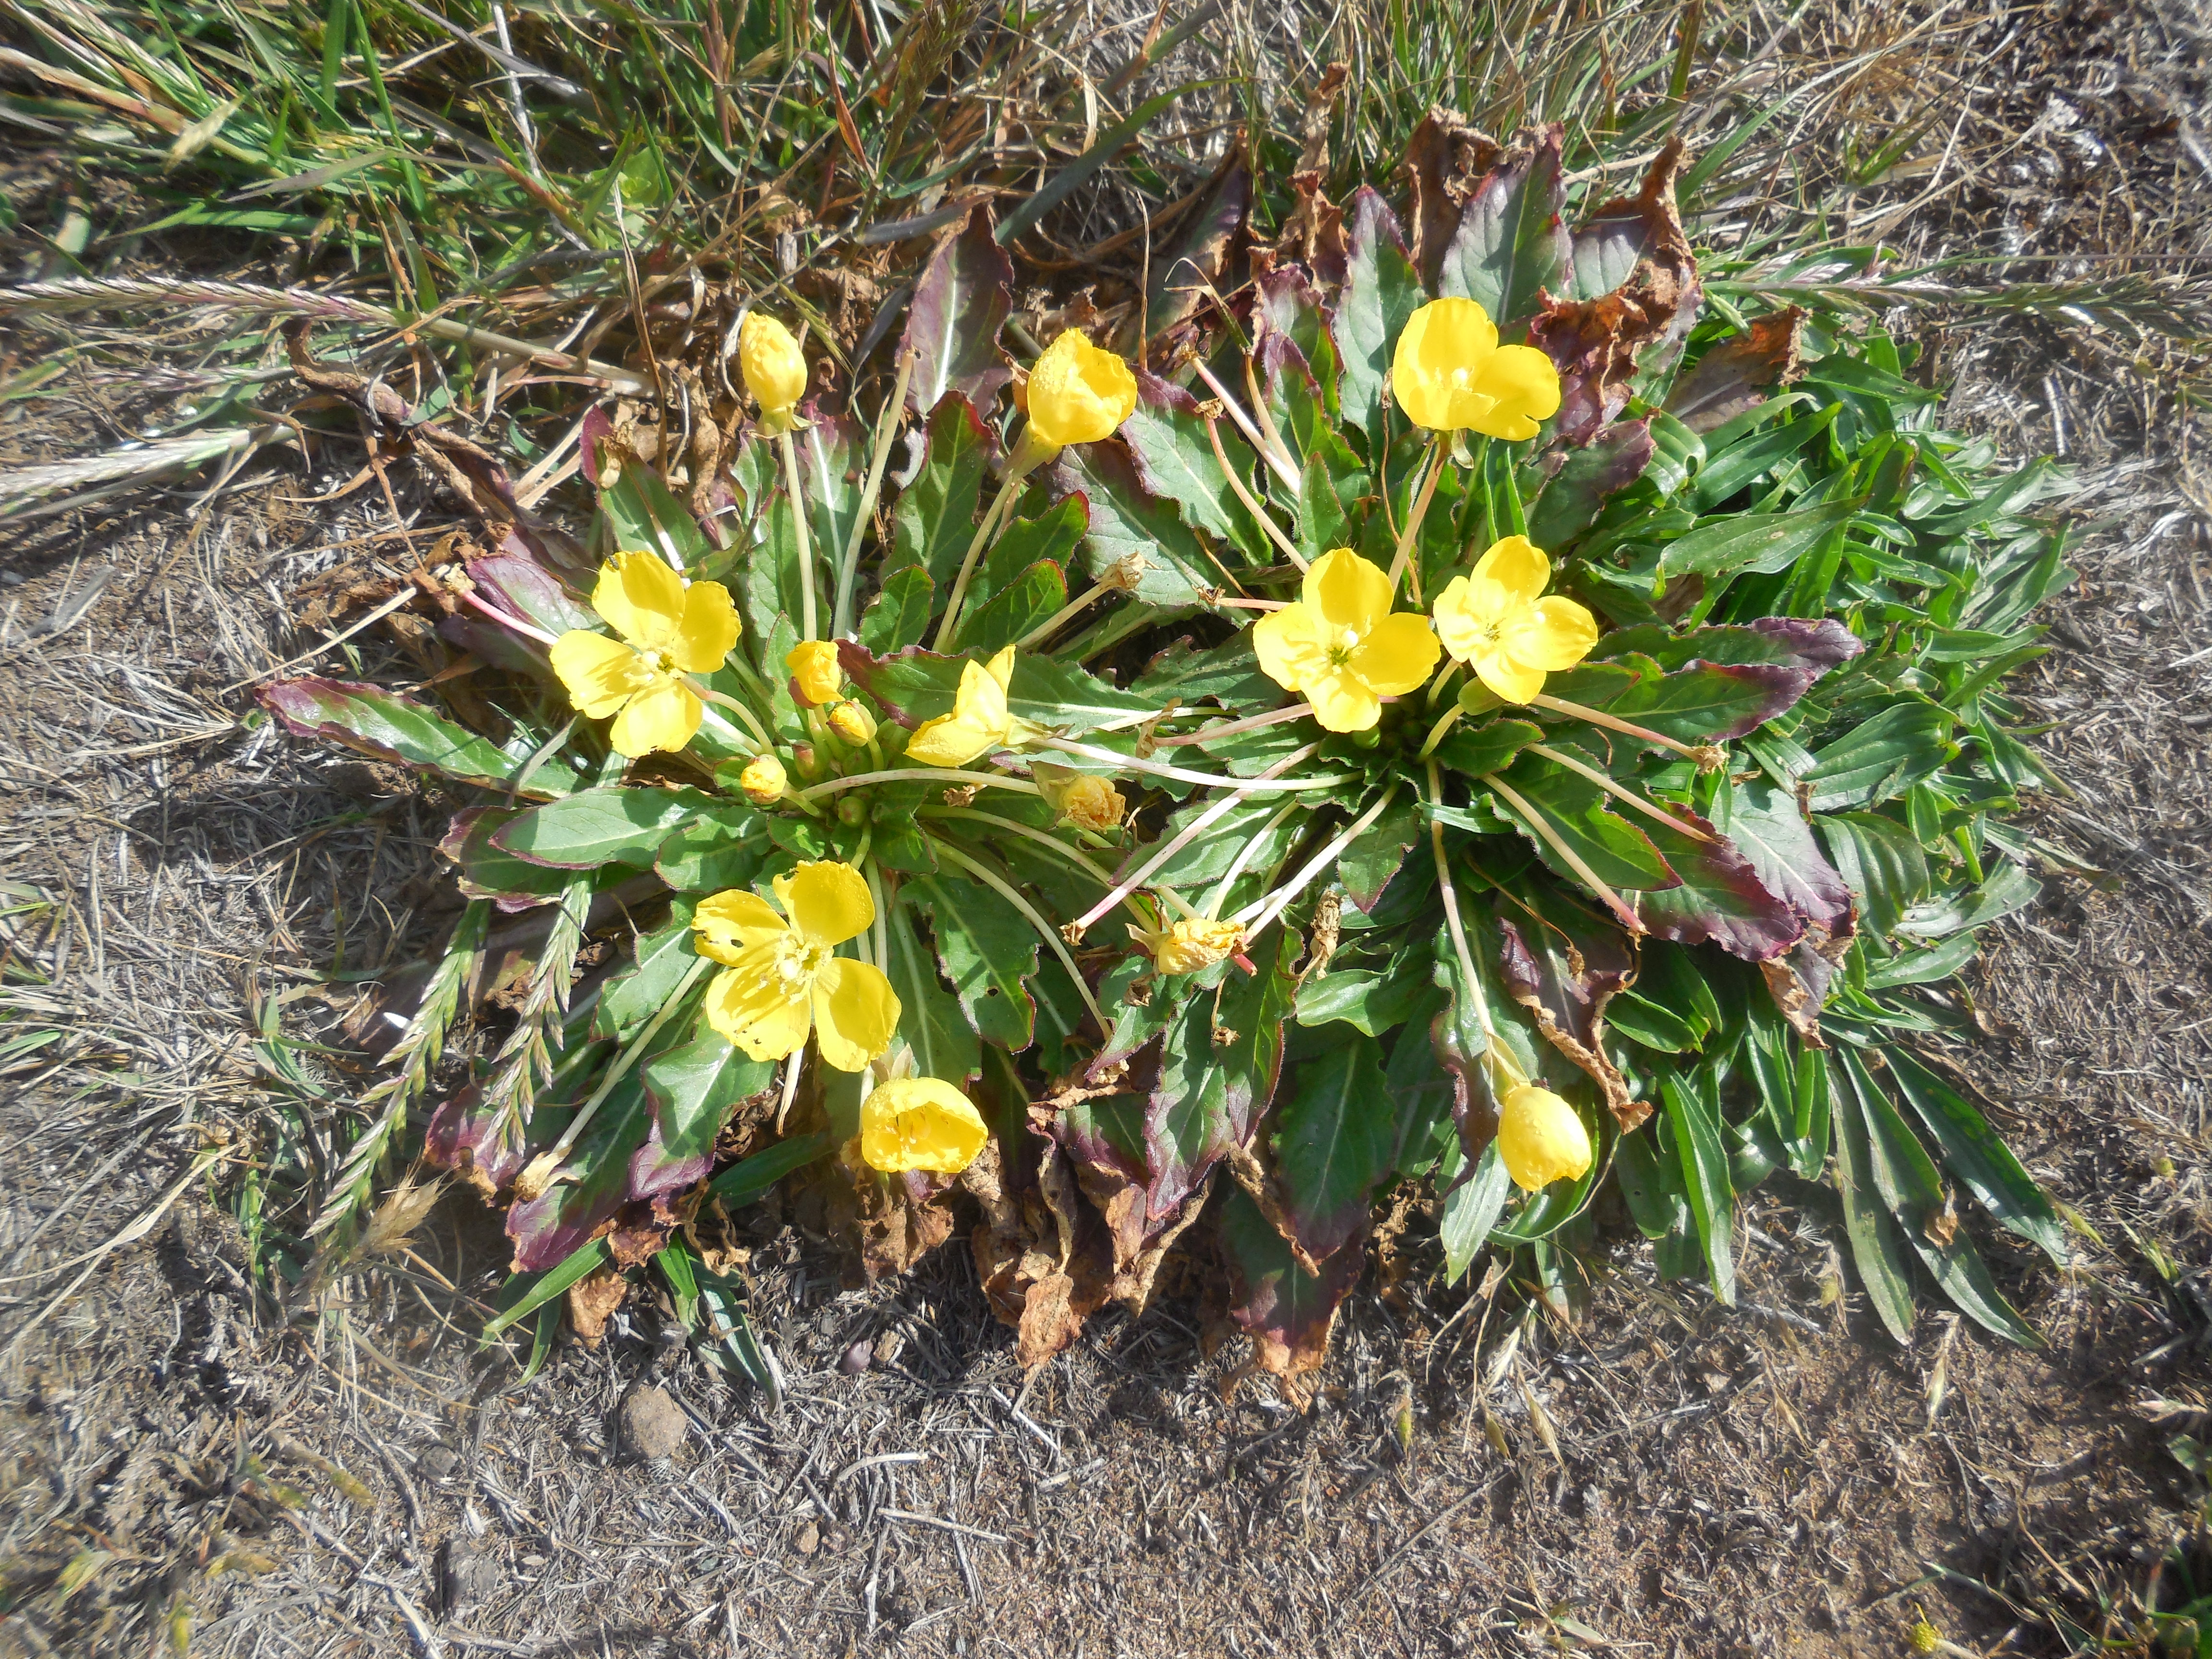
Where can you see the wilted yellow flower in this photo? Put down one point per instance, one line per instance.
(773, 367)
(1498, 622)
(763, 780)
(853, 723)
(979, 720)
(813, 664)
(1087, 802)
(919, 1123)
(667, 630)
(1077, 393)
(781, 978)
(1540, 1139)
(1186, 946)
(1451, 376)
(1342, 645)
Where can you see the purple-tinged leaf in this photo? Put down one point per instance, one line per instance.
(1563, 967)
(386, 726)
(1765, 825)
(1219, 1064)
(510, 581)
(1573, 495)
(1382, 289)
(486, 871)
(485, 1146)
(1286, 1310)
(1789, 641)
(620, 1161)
(1510, 245)
(1445, 158)
(1186, 279)
(1721, 900)
(1736, 374)
(1336, 1138)
(963, 300)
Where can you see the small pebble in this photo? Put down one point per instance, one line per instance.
(808, 1539)
(858, 1358)
(467, 1575)
(649, 1423)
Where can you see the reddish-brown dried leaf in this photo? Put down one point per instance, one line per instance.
(592, 1300)
(1445, 160)
(1738, 373)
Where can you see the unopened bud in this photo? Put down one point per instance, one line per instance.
(852, 812)
(808, 764)
(814, 667)
(853, 723)
(763, 780)
(1080, 799)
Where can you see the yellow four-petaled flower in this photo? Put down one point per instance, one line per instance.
(1341, 644)
(666, 630)
(1449, 374)
(782, 978)
(923, 1123)
(1498, 621)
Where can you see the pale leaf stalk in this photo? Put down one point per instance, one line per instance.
(1252, 435)
(1198, 826)
(1445, 721)
(1073, 855)
(1702, 754)
(1238, 864)
(1267, 523)
(1265, 909)
(887, 430)
(1267, 420)
(506, 619)
(1452, 921)
(1420, 509)
(946, 774)
(416, 1054)
(807, 629)
(1231, 728)
(1620, 792)
(1052, 624)
(1045, 931)
(1571, 859)
(760, 739)
(1010, 490)
(1267, 784)
(544, 1169)
(873, 871)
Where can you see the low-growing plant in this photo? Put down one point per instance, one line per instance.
(1469, 697)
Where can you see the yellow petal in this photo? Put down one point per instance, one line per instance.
(664, 715)
(774, 367)
(707, 631)
(1398, 656)
(1001, 668)
(1191, 943)
(814, 665)
(1348, 592)
(981, 699)
(1517, 567)
(733, 922)
(1540, 1139)
(856, 1011)
(749, 1004)
(1290, 647)
(1514, 681)
(1523, 385)
(1078, 394)
(1554, 634)
(921, 1123)
(642, 599)
(948, 740)
(1342, 701)
(1435, 371)
(600, 673)
(828, 902)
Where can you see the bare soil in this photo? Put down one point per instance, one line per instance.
(183, 1459)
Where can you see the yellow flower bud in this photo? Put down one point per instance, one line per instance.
(853, 723)
(921, 1123)
(1541, 1139)
(763, 780)
(1077, 393)
(775, 369)
(1191, 943)
(814, 665)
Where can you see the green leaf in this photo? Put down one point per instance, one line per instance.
(1581, 815)
(722, 848)
(1652, 1185)
(1366, 1000)
(899, 617)
(988, 951)
(1877, 1241)
(1175, 458)
(1051, 537)
(931, 1021)
(1696, 1122)
(1882, 756)
(1734, 468)
(1510, 241)
(485, 872)
(533, 1291)
(1754, 542)
(1127, 518)
(1572, 497)
(613, 824)
(747, 1180)
(920, 685)
(1368, 866)
(1381, 290)
(1974, 1152)
(1035, 595)
(1336, 1140)
(386, 726)
(1488, 748)
(1882, 862)
(934, 519)
(1219, 1062)
(1653, 1024)
(1471, 1213)
(635, 993)
(695, 1088)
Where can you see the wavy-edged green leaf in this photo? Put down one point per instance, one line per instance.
(988, 951)
(1127, 520)
(1881, 756)
(633, 995)
(1754, 542)
(1011, 613)
(1175, 459)
(933, 518)
(1336, 1138)
(899, 615)
(611, 824)
(387, 727)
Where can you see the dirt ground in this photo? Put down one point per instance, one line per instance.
(183, 1460)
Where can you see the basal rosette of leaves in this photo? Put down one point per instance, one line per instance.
(1678, 897)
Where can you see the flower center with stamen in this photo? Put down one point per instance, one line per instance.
(655, 662)
(799, 963)
(1347, 641)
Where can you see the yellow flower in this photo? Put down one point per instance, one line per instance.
(763, 780)
(1077, 393)
(919, 1123)
(1087, 802)
(667, 630)
(979, 720)
(1540, 1138)
(781, 978)
(814, 665)
(1495, 621)
(1188, 945)
(775, 369)
(1341, 644)
(853, 723)
(1451, 376)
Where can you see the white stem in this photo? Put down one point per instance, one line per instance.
(1265, 909)
(1572, 859)
(545, 1161)
(887, 430)
(1237, 866)
(1275, 534)
(1259, 412)
(1265, 784)
(807, 617)
(922, 775)
(946, 630)
(1619, 791)
(1244, 425)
